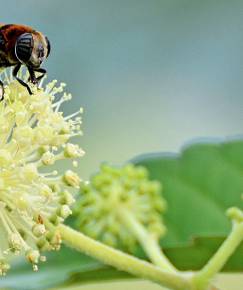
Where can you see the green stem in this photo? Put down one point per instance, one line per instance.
(148, 241)
(217, 262)
(122, 261)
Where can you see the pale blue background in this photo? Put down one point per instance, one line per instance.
(149, 74)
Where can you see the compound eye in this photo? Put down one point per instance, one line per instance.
(48, 46)
(24, 47)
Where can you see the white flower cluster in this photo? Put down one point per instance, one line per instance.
(34, 198)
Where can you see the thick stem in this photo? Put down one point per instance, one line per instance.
(146, 240)
(217, 262)
(122, 261)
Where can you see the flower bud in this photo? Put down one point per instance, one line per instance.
(73, 151)
(113, 189)
(71, 179)
(15, 242)
(65, 211)
(48, 158)
(39, 230)
(33, 256)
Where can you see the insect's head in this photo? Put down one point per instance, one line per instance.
(32, 48)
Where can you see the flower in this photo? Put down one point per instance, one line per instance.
(34, 196)
(99, 208)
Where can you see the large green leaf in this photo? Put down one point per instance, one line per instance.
(199, 184)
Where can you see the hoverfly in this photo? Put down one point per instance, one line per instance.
(22, 45)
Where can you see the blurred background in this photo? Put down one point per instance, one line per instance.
(151, 75)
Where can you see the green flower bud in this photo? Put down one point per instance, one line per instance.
(101, 200)
(235, 214)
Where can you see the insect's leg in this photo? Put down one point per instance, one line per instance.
(1, 91)
(32, 77)
(15, 74)
(42, 71)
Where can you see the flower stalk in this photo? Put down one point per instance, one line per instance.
(122, 261)
(202, 279)
(148, 241)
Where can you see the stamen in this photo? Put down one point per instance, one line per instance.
(34, 136)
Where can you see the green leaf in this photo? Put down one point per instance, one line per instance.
(199, 184)
(194, 255)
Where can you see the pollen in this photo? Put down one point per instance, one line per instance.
(34, 196)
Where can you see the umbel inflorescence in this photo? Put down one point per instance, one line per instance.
(34, 197)
(115, 197)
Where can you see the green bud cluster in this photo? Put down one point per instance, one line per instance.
(101, 200)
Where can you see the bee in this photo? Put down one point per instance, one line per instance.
(22, 45)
